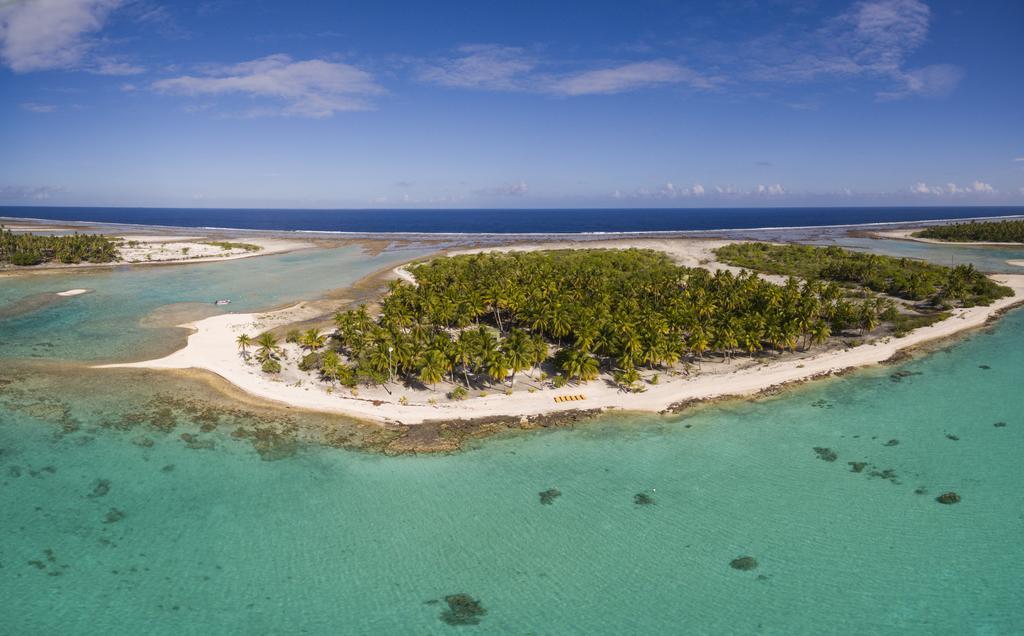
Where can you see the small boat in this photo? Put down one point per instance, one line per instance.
(223, 301)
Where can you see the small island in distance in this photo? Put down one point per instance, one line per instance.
(1009, 231)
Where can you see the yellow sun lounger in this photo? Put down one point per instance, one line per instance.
(569, 398)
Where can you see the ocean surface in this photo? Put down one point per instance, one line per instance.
(114, 524)
(561, 221)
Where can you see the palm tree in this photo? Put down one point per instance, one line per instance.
(462, 354)
(244, 342)
(516, 349)
(268, 346)
(312, 339)
(579, 364)
(698, 343)
(497, 367)
(434, 366)
(538, 352)
(330, 367)
(820, 332)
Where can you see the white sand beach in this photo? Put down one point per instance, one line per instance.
(212, 347)
(142, 249)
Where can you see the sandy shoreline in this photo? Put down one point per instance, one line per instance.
(155, 248)
(212, 347)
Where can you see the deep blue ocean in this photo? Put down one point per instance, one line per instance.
(493, 221)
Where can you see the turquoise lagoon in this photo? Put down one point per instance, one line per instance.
(102, 534)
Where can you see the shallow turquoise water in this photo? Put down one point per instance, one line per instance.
(329, 541)
(110, 321)
(987, 259)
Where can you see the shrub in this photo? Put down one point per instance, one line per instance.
(559, 381)
(293, 336)
(458, 393)
(272, 366)
(26, 258)
(310, 362)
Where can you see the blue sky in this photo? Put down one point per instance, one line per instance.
(511, 104)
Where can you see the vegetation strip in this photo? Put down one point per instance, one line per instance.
(976, 232)
(32, 249)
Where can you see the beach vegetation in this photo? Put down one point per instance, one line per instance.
(271, 365)
(268, 348)
(312, 339)
(33, 249)
(310, 362)
(899, 277)
(1008, 231)
(244, 341)
(228, 245)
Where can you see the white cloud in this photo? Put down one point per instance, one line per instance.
(774, 189)
(309, 88)
(952, 189)
(38, 35)
(36, 107)
(627, 77)
(1018, 159)
(669, 191)
(510, 190)
(501, 68)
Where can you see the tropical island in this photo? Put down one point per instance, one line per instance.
(27, 247)
(638, 325)
(1002, 232)
(1009, 231)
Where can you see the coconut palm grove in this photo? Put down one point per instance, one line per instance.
(32, 249)
(484, 319)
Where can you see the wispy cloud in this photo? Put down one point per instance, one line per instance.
(39, 35)
(628, 77)
(309, 88)
(503, 68)
(111, 66)
(28, 193)
(937, 80)
(482, 66)
(872, 39)
(517, 189)
(36, 107)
